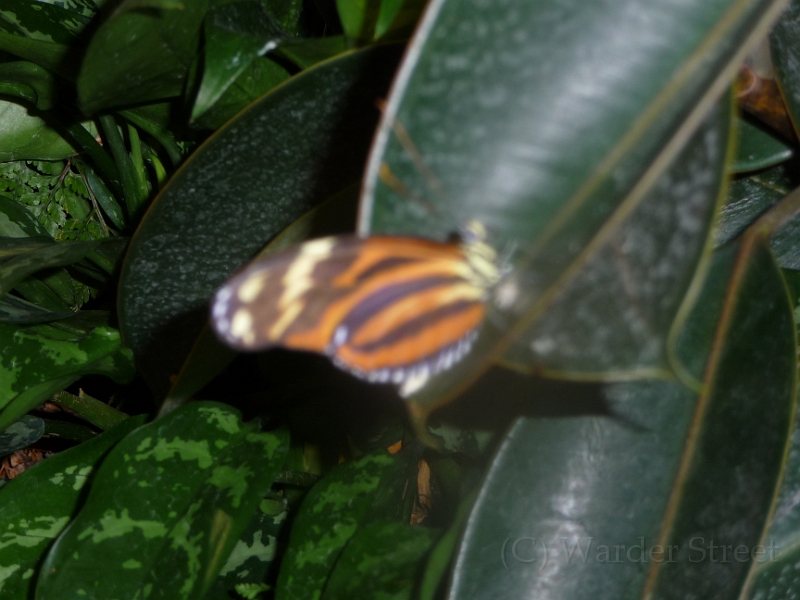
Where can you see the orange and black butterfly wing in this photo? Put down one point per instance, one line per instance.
(384, 308)
(283, 294)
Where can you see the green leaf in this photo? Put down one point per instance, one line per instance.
(256, 79)
(236, 34)
(308, 52)
(19, 311)
(262, 171)
(351, 496)
(785, 245)
(525, 132)
(109, 254)
(153, 50)
(209, 356)
(86, 8)
(780, 543)
(37, 505)
(64, 430)
(749, 197)
(28, 137)
(41, 21)
(39, 360)
(686, 470)
(397, 18)
(286, 14)
(21, 434)
(438, 561)
(56, 58)
(166, 508)
(358, 18)
(49, 191)
(52, 289)
(757, 148)
(614, 317)
(29, 82)
(132, 191)
(256, 551)
(380, 561)
(17, 222)
(785, 54)
(105, 199)
(19, 257)
(154, 119)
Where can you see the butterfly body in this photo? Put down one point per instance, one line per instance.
(387, 309)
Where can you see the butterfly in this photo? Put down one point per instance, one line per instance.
(386, 309)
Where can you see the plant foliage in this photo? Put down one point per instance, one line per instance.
(624, 425)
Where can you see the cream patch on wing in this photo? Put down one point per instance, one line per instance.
(297, 281)
(242, 326)
(252, 287)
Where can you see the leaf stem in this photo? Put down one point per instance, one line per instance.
(96, 412)
(164, 137)
(123, 162)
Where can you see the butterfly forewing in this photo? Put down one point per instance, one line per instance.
(383, 307)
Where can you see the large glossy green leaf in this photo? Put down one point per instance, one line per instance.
(301, 144)
(615, 315)
(36, 506)
(533, 129)
(785, 55)
(785, 245)
(209, 356)
(635, 502)
(39, 360)
(151, 49)
(772, 575)
(355, 494)
(166, 508)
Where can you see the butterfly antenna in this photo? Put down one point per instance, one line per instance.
(413, 152)
(397, 186)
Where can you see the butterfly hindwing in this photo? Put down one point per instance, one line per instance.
(382, 307)
(281, 294)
